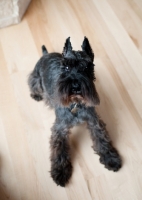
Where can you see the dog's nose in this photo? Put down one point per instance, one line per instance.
(75, 88)
(75, 85)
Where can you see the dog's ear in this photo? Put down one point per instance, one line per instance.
(67, 47)
(87, 48)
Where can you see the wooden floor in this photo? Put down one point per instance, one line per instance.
(114, 29)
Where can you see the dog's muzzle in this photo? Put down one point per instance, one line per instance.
(77, 98)
(76, 89)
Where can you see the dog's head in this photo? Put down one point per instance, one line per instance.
(76, 82)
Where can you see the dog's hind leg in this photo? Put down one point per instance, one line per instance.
(34, 82)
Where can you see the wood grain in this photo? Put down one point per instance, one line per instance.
(114, 31)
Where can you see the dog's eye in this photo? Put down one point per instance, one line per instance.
(67, 69)
(84, 65)
(84, 68)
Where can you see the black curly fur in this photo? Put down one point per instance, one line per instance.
(62, 81)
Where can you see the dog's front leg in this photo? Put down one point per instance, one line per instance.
(102, 144)
(61, 168)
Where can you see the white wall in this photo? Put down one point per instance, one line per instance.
(11, 11)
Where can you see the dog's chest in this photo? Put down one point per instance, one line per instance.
(74, 108)
(72, 116)
(78, 114)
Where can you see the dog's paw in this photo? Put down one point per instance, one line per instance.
(36, 97)
(111, 160)
(61, 173)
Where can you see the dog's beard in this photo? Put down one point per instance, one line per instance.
(87, 96)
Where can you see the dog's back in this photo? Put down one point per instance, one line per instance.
(42, 79)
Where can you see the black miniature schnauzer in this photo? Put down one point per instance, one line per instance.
(66, 83)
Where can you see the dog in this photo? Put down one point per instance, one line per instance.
(66, 83)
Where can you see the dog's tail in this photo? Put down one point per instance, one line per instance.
(44, 50)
